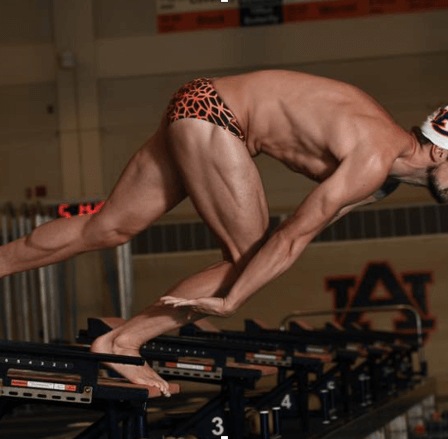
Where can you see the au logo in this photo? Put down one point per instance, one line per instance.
(409, 288)
(439, 122)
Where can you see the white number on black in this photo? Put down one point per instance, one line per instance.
(219, 426)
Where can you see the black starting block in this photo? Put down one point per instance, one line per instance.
(366, 368)
(68, 375)
(348, 372)
(211, 363)
(258, 353)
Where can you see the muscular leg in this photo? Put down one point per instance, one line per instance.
(148, 187)
(223, 183)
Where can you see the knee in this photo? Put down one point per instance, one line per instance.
(241, 255)
(99, 233)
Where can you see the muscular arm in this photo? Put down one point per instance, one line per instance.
(357, 178)
(385, 190)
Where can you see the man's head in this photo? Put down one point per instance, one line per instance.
(433, 136)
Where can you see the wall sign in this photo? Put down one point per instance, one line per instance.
(182, 15)
(185, 15)
(258, 13)
(69, 210)
(410, 288)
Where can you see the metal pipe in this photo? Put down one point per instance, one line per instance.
(264, 424)
(276, 421)
(43, 287)
(386, 308)
(125, 279)
(63, 314)
(72, 299)
(25, 306)
(111, 279)
(58, 272)
(324, 398)
(129, 270)
(7, 298)
(52, 296)
(18, 305)
(122, 282)
(55, 329)
(35, 313)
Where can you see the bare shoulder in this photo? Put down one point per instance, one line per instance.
(382, 135)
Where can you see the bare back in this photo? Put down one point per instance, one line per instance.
(307, 122)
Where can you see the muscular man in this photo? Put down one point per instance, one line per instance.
(329, 131)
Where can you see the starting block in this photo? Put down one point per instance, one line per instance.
(68, 375)
(212, 363)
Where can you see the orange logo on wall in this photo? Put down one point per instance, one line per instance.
(380, 286)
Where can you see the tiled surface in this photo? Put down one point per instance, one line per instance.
(367, 224)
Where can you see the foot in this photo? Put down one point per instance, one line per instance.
(142, 375)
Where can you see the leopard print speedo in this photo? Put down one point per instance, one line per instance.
(198, 99)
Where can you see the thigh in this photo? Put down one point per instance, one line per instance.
(223, 183)
(149, 186)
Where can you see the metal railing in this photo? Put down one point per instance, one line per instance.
(363, 309)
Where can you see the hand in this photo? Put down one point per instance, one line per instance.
(212, 306)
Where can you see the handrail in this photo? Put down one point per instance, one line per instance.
(385, 308)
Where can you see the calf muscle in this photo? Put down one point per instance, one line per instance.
(50, 243)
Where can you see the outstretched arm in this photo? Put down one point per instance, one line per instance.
(357, 178)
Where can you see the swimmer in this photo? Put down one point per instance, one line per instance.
(329, 131)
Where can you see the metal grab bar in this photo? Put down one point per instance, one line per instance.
(7, 287)
(385, 308)
(43, 288)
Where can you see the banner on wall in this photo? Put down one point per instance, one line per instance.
(379, 286)
(301, 10)
(185, 15)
